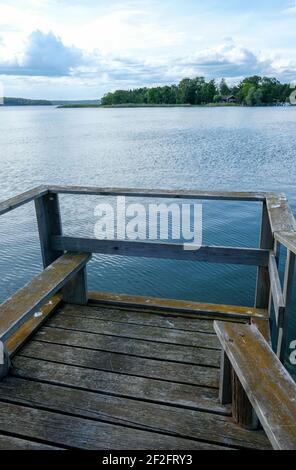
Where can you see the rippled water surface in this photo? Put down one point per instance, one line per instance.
(205, 148)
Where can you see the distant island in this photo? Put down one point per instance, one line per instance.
(29, 102)
(25, 102)
(251, 91)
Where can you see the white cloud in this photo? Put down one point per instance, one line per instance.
(44, 55)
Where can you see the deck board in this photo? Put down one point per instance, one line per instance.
(124, 364)
(166, 320)
(133, 413)
(159, 391)
(105, 378)
(149, 333)
(133, 347)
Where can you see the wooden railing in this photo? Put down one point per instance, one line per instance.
(278, 227)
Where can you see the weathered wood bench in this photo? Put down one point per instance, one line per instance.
(66, 273)
(255, 381)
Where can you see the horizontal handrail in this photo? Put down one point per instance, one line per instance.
(23, 198)
(287, 239)
(34, 193)
(214, 254)
(18, 308)
(161, 193)
(280, 214)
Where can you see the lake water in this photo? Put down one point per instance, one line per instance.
(198, 148)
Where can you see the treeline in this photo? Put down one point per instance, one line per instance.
(25, 102)
(251, 91)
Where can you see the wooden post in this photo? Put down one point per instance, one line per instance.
(263, 284)
(287, 293)
(5, 362)
(225, 379)
(49, 224)
(242, 410)
(75, 291)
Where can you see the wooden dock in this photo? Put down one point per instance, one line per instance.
(94, 370)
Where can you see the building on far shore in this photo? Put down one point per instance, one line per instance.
(229, 99)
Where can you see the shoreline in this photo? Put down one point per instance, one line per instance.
(209, 105)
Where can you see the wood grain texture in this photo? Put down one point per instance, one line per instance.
(162, 250)
(123, 364)
(185, 423)
(288, 300)
(132, 347)
(123, 330)
(288, 239)
(168, 320)
(81, 433)
(262, 295)
(161, 193)
(276, 289)
(15, 443)
(49, 223)
(280, 214)
(27, 300)
(175, 307)
(153, 390)
(269, 387)
(21, 199)
(22, 334)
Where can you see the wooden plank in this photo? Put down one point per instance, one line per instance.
(15, 443)
(123, 364)
(161, 193)
(262, 284)
(288, 239)
(143, 318)
(288, 300)
(162, 250)
(21, 199)
(22, 334)
(175, 307)
(27, 300)
(49, 223)
(276, 289)
(280, 214)
(149, 333)
(269, 387)
(176, 421)
(81, 433)
(153, 390)
(132, 347)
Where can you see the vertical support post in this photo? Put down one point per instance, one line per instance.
(242, 410)
(287, 292)
(49, 223)
(225, 379)
(266, 242)
(75, 291)
(5, 362)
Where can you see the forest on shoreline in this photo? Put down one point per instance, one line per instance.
(251, 91)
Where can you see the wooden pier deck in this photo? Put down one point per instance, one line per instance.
(100, 371)
(96, 377)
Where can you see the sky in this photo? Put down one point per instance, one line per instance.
(70, 49)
